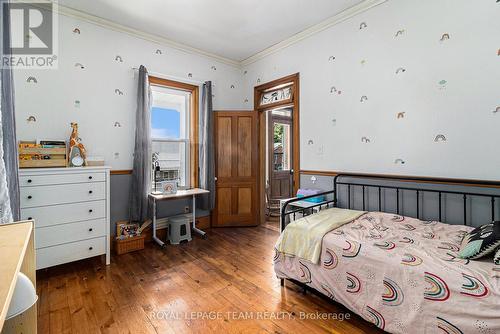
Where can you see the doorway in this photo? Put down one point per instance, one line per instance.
(280, 153)
(277, 106)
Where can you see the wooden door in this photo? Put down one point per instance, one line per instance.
(280, 149)
(236, 168)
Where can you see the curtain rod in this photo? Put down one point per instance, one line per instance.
(172, 77)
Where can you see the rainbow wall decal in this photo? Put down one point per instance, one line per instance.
(158, 52)
(213, 68)
(401, 115)
(190, 75)
(76, 31)
(119, 59)
(447, 327)
(31, 80)
(331, 260)
(353, 283)
(445, 37)
(401, 70)
(365, 140)
(117, 125)
(363, 98)
(352, 249)
(400, 33)
(473, 287)
(375, 317)
(411, 260)
(331, 58)
(333, 89)
(436, 289)
(363, 25)
(118, 92)
(393, 295)
(31, 119)
(440, 138)
(79, 65)
(399, 162)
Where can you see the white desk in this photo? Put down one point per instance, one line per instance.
(179, 194)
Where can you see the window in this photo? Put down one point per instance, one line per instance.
(174, 146)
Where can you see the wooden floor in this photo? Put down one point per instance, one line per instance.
(228, 279)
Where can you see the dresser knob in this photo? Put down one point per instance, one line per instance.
(90, 191)
(90, 211)
(30, 197)
(90, 230)
(29, 181)
(90, 177)
(91, 248)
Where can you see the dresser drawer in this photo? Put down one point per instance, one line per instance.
(51, 256)
(62, 194)
(53, 179)
(65, 213)
(55, 235)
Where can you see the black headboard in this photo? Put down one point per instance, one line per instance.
(360, 185)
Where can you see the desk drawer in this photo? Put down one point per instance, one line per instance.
(65, 213)
(54, 179)
(62, 194)
(51, 256)
(55, 235)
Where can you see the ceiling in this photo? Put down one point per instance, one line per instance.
(233, 29)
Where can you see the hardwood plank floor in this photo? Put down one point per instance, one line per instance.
(225, 284)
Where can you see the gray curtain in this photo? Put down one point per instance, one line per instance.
(207, 149)
(10, 155)
(141, 175)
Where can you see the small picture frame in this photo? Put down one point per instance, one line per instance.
(168, 187)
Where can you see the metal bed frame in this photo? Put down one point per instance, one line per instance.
(352, 185)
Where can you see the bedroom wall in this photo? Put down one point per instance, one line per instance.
(101, 97)
(387, 92)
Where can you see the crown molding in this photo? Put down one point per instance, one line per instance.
(74, 13)
(334, 20)
(108, 24)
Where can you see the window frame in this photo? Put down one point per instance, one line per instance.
(193, 123)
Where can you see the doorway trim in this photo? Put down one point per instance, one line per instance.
(294, 79)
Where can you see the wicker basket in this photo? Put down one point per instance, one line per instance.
(129, 245)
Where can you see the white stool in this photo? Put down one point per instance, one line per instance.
(179, 229)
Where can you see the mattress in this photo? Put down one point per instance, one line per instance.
(403, 275)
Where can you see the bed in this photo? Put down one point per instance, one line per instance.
(400, 273)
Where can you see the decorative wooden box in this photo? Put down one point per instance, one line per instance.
(129, 244)
(41, 157)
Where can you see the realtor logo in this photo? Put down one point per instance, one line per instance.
(33, 34)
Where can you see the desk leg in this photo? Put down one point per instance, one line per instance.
(155, 238)
(195, 229)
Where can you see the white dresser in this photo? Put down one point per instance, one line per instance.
(70, 207)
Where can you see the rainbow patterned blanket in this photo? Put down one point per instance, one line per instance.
(403, 275)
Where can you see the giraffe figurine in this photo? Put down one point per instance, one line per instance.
(75, 145)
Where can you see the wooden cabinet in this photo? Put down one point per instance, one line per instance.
(70, 209)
